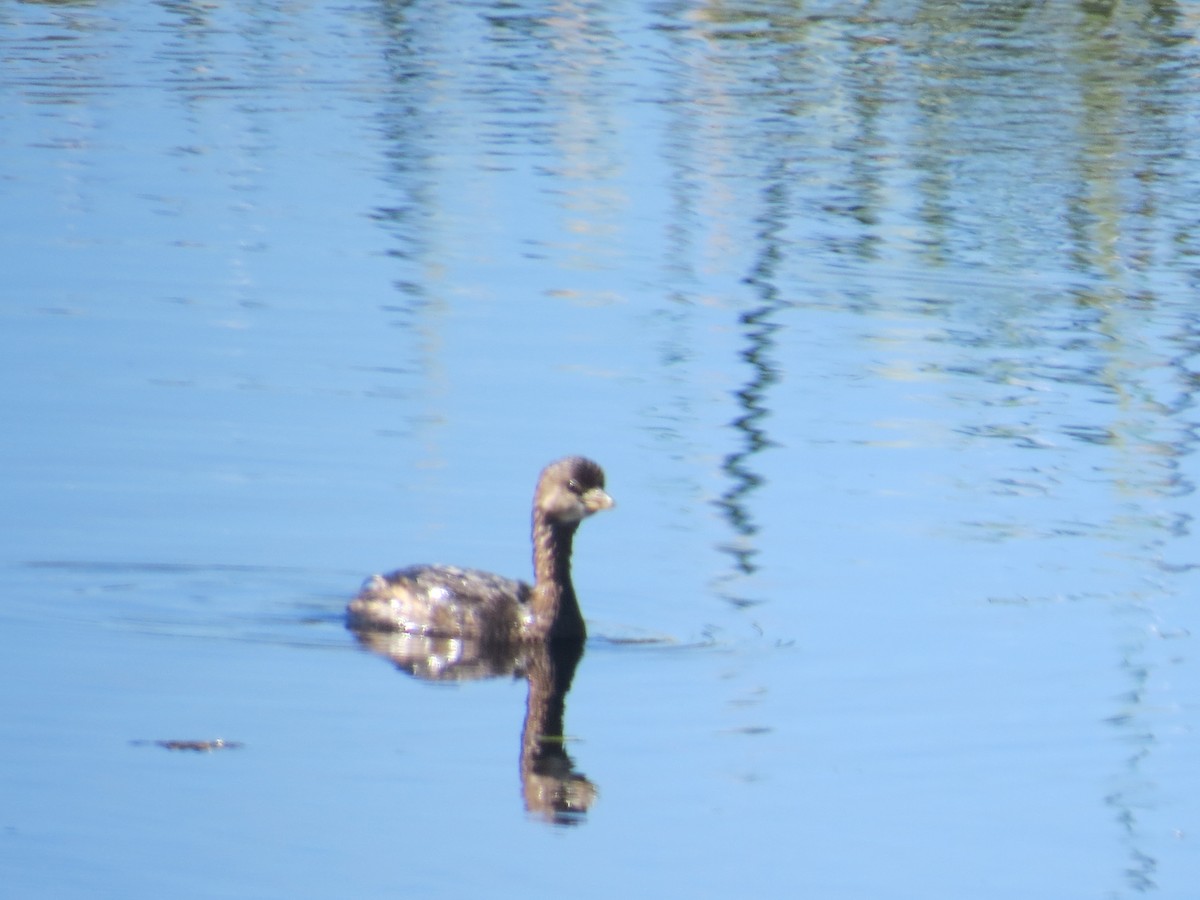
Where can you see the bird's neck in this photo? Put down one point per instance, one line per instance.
(555, 610)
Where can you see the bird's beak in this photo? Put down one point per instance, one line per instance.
(596, 500)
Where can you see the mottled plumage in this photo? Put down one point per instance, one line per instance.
(452, 602)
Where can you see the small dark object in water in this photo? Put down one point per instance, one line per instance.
(196, 746)
(449, 602)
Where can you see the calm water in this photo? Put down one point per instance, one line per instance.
(882, 318)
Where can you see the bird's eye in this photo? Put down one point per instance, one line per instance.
(573, 487)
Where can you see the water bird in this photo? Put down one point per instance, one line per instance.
(487, 609)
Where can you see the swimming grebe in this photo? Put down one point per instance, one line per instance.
(446, 601)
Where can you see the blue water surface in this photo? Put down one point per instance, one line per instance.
(881, 319)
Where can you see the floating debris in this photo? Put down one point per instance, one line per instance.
(195, 746)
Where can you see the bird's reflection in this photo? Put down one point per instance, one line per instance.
(553, 790)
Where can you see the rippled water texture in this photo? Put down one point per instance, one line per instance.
(881, 318)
